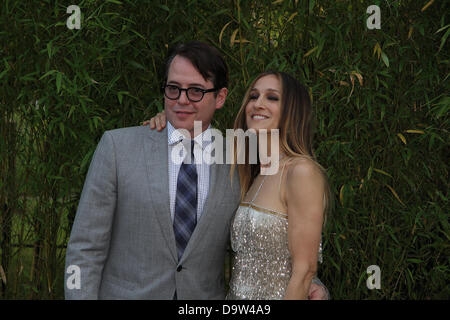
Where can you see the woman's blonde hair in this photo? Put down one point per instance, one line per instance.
(295, 131)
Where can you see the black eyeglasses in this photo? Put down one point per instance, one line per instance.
(194, 94)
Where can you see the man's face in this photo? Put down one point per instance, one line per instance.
(182, 113)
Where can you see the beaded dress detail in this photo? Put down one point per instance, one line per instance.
(261, 267)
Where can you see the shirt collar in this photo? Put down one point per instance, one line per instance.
(174, 136)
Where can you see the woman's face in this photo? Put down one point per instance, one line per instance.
(263, 110)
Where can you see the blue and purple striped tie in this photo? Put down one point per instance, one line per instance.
(185, 218)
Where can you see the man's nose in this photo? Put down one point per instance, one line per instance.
(183, 99)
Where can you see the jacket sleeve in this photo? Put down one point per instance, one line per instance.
(88, 246)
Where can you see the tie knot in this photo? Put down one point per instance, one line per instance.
(189, 159)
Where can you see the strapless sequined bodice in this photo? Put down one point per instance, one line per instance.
(261, 267)
(262, 264)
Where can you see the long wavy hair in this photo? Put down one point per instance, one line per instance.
(295, 131)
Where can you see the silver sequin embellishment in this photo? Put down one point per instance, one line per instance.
(262, 264)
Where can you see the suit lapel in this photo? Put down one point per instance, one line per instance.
(156, 149)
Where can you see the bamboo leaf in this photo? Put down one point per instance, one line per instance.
(338, 246)
(413, 260)
(402, 137)
(58, 81)
(218, 13)
(164, 7)
(425, 7)
(47, 74)
(359, 76)
(443, 28)
(369, 172)
(310, 51)
(233, 36)
(2, 74)
(61, 127)
(444, 38)
(410, 32)
(72, 109)
(49, 49)
(385, 59)
(291, 17)
(241, 41)
(223, 29)
(395, 194)
(341, 195)
(86, 159)
(382, 172)
(136, 64)
(2, 275)
(138, 34)
(377, 50)
(415, 131)
(311, 6)
(442, 107)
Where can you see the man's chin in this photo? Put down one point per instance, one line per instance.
(178, 123)
(189, 125)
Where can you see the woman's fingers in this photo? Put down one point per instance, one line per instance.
(158, 124)
(152, 123)
(160, 121)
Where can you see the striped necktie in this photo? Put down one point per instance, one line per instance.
(185, 217)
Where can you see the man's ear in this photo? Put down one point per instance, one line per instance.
(221, 97)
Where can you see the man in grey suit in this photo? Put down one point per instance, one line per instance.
(138, 234)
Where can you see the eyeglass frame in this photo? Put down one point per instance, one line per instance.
(163, 88)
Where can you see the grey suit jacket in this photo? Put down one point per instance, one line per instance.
(122, 238)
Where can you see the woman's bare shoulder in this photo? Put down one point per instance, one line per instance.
(302, 167)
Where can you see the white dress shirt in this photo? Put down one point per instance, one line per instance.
(203, 139)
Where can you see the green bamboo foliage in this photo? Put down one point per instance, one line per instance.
(381, 101)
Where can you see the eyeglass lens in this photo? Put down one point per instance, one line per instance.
(174, 92)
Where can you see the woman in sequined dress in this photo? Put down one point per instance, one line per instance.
(276, 233)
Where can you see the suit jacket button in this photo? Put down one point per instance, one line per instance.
(179, 268)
